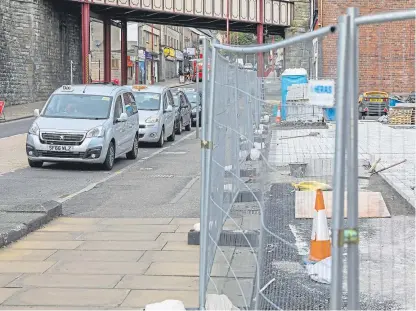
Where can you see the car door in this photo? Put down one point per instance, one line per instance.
(118, 127)
(186, 109)
(171, 115)
(132, 125)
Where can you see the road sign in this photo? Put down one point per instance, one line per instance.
(321, 92)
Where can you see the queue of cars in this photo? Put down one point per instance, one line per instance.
(98, 123)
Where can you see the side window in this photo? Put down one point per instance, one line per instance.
(170, 98)
(183, 101)
(130, 104)
(165, 101)
(118, 108)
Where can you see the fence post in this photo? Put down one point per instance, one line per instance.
(352, 160)
(339, 165)
(206, 157)
(197, 89)
(72, 73)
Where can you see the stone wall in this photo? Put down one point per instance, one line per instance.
(38, 40)
(299, 55)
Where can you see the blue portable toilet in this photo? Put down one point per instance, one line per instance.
(290, 77)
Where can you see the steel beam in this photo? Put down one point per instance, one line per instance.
(123, 53)
(107, 50)
(85, 42)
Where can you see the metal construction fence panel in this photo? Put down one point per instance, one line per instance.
(311, 208)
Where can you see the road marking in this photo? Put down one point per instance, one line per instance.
(175, 152)
(184, 190)
(93, 185)
(301, 245)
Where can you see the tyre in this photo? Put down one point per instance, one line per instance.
(161, 141)
(179, 130)
(173, 135)
(188, 126)
(132, 154)
(109, 159)
(35, 163)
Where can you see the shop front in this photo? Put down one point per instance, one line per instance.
(149, 64)
(179, 61)
(170, 63)
(141, 68)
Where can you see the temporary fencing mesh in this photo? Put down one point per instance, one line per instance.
(272, 148)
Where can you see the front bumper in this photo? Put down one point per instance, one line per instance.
(92, 150)
(149, 134)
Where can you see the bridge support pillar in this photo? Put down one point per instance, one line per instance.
(123, 53)
(107, 50)
(85, 28)
(260, 40)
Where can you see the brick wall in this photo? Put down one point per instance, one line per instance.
(387, 51)
(38, 39)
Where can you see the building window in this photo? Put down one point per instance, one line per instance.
(155, 40)
(115, 64)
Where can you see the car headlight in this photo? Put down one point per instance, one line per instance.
(96, 132)
(34, 129)
(152, 120)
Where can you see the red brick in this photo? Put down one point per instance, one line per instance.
(387, 51)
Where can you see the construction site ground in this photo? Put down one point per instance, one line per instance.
(387, 245)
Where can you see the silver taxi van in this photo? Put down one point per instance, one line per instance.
(85, 123)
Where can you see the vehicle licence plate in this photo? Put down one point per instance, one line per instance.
(377, 100)
(59, 148)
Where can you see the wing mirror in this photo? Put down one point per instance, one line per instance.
(169, 109)
(123, 117)
(36, 113)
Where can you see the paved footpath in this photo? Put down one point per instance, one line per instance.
(105, 263)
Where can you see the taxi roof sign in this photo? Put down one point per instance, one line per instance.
(139, 87)
(67, 88)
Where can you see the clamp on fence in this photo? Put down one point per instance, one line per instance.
(205, 144)
(348, 236)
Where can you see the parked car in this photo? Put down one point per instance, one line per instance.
(195, 98)
(373, 104)
(85, 123)
(183, 110)
(157, 117)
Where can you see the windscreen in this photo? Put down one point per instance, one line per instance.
(147, 101)
(176, 100)
(78, 106)
(193, 98)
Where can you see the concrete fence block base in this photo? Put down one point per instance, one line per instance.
(229, 238)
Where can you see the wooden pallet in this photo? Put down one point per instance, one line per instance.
(402, 116)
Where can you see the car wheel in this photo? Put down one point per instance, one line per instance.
(35, 163)
(134, 150)
(188, 126)
(173, 135)
(109, 159)
(179, 131)
(161, 141)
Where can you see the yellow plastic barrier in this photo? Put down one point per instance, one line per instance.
(311, 186)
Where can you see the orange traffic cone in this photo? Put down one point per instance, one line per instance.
(278, 116)
(320, 242)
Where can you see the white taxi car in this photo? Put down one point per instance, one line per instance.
(85, 123)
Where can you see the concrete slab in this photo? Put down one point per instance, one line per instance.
(141, 228)
(76, 221)
(68, 297)
(140, 298)
(184, 221)
(98, 267)
(54, 245)
(72, 228)
(11, 254)
(155, 282)
(180, 246)
(6, 293)
(52, 236)
(25, 266)
(66, 280)
(370, 204)
(175, 237)
(83, 255)
(122, 245)
(7, 278)
(51, 208)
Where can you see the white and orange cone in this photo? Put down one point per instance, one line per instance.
(320, 241)
(278, 115)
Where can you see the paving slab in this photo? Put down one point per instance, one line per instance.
(68, 297)
(184, 221)
(176, 237)
(140, 298)
(83, 255)
(140, 228)
(66, 280)
(98, 267)
(25, 266)
(122, 245)
(46, 245)
(118, 236)
(12, 254)
(136, 221)
(52, 236)
(183, 269)
(6, 293)
(72, 228)
(76, 221)
(180, 246)
(156, 282)
(7, 278)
